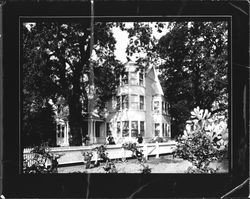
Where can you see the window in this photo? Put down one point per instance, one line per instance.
(156, 107)
(163, 108)
(62, 132)
(124, 101)
(142, 129)
(134, 128)
(118, 104)
(58, 130)
(157, 129)
(141, 79)
(134, 102)
(125, 128)
(133, 78)
(118, 129)
(108, 130)
(97, 129)
(168, 131)
(125, 78)
(141, 102)
(163, 130)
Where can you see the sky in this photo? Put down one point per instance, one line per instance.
(122, 41)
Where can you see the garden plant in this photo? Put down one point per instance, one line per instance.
(42, 155)
(101, 152)
(205, 140)
(138, 154)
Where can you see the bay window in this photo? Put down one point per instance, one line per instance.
(134, 128)
(125, 102)
(133, 78)
(142, 129)
(134, 102)
(125, 78)
(157, 129)
(141, 102)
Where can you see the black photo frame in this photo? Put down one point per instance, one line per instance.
(18, 185)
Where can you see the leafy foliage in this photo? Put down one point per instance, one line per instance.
(37, 164)
(200, 144)
(145, 169)
(87, 158)
(192, 58)
(130, 146)
(194, 70)
(138, 154)
(101, 151)
(39, 127)
(57, 63)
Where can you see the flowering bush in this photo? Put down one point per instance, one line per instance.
(204, 140)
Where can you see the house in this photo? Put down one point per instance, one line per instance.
(139, 108)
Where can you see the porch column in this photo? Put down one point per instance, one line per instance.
(90, 130)
(67, 133)
(94, 132)
(104, 133)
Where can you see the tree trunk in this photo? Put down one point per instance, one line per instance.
(75, 113)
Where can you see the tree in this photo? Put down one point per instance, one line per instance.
(63, 51)
(195, 65)
(192, 59)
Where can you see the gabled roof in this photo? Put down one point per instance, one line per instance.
(156, 86)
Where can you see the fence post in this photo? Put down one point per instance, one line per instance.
(123, 154)
(157, 150)
(96, 157)
(145, 150)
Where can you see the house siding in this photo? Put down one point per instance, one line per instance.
(151, 90)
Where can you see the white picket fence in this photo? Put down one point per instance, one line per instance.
(73, 154)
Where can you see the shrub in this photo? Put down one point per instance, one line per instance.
(42, 154)
(87, 158)
(145, 169)
(130, 146)
(201, 143)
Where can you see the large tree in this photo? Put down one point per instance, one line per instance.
(195, 68)
(192, 58)
(61, 54)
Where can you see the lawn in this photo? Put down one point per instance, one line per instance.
(164, 164)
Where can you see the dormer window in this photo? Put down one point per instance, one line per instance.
(141, 79)
(125, 78)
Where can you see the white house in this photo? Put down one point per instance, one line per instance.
(139, 108)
